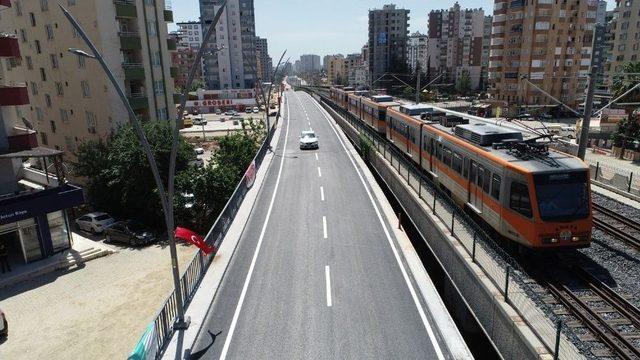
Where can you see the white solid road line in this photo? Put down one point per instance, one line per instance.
(324, 226)
(321, 193)
(405, 275)
(317, 156)
(236, 314)
(327, 275)
(319, 172)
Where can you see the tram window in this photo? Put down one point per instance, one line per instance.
(480, 180)
(474, 171)
(457, 163)
(465, 168)
(447, 157)
(519, 199)
(496, 181)
(487, 181)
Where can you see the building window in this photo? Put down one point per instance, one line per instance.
(82, 62)
(158, 87)
(71, 2)
(59, 89)
(39, 115)
(34, 88)
(38, 49)
(32, 19)
(43, 74)
(29, 62)
(91, 122)
(44, 5)
(162, 114)
(85, 89)
(64, 115)
(18, 5)
(155, 58)
(54, 61)
(151, 28)
(49, 29)
(47, 100)
(43, 138)
(23, 35)
(53, 126)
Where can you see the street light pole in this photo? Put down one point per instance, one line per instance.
(166, 198)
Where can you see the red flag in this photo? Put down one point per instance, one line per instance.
(195, 239)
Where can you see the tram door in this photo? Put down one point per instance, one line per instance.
(432, 151)
(476, 178)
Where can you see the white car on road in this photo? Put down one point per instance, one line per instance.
(94, 222)
(308, 140)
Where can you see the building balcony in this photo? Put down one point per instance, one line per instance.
(126, 9)
(23, 139)
(5, 3)
(171, 44)
(130, 40)
(174, 72)
(168, 16)
(9, 46)
(133, 71)
(14, 94)
(138, 101)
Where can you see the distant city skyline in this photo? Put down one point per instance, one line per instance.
(316, 27)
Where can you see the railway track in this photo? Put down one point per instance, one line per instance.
(607, 223)
(606, 314)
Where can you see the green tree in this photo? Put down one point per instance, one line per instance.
(622, 83)
(463, 85)
(408, 93)
(119, 176)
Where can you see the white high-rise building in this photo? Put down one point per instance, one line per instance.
(234, 66)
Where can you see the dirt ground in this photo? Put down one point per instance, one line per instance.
(98, 311)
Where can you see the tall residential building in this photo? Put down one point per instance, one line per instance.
(486, 48)
(233, 66)
(325, 62)
(388, 33)
(353, 67)
(34, 194)
(548, 44)
(182, 60)
(602, 43)
(626, 35)
(336, 70)
(190, 34)
(417, 51)
(309, 63)
(71, 99)
(455, 43)
(264, 61)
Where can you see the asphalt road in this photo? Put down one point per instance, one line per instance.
(314, 275)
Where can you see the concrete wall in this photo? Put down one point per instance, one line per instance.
(467, 282)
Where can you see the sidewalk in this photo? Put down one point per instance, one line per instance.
(82, 250)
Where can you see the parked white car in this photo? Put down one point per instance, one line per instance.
(94, 222)
(255, 110)
(199, 120)
(199, 151)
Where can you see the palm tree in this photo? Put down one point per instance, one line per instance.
(622, 83)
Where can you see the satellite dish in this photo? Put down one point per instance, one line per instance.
(27, 123)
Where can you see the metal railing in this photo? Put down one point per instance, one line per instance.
(502, 270)
(200, 262)
(618, 178)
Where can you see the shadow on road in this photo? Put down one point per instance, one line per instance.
(199, 354)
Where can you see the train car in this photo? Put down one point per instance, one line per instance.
(374, 111)
(536, 197)
(354, 105)
(342, 96)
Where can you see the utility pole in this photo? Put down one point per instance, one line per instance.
(588, 107)
(418, 83)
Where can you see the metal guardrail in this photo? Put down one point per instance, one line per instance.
(503, 271)
(200, 262)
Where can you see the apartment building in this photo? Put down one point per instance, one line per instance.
(549, 44)
(336, 73)
(233, 67)
(353, 68)
(625, 28)
(263, 60)
(190, 34)
(71, 99)
(309, 63)
(602, 46)
(486, 49)
(456, 38)
(417, 51)
(182, 60)
(33, 202)
(388, 34)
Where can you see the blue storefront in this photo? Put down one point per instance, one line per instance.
(35, 224)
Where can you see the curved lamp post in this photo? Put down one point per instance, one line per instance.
(166, 197)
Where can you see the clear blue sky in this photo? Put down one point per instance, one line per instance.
(325, 26)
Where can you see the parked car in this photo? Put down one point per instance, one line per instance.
(4, 325)
(94, 222)
(255, 110)
(234, 113)
(247, 110)
(197, 162)
(199, 151)
(199, 120)
(218, 111)
(129, 232)
(187, 122)
(229, 112)
(308, 140)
